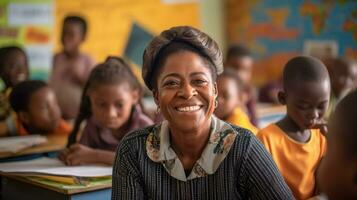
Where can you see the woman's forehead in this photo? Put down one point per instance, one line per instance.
(184, 63)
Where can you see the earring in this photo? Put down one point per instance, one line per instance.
(158, 110)
(215, 103)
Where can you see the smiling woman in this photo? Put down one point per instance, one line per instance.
(191, 154)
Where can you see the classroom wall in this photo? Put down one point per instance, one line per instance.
(276, 30)
(212, 15)
(110, 21)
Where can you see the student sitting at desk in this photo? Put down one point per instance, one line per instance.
(296, 143)
(231, 102)
(37, 109)
(110, 105)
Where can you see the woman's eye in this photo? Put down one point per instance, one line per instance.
(170, 83)
(200, 82)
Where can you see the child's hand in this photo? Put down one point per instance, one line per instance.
(63, 155)
(322, 125)
(79, 154)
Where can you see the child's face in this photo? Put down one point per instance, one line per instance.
(243, 66)
(336, 176)
(15, 69)
(344, 77)
(228, 97)
(43, 113)
(72, 37)
(307, 102)
(111, 105)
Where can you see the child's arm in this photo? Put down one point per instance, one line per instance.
(79, 154)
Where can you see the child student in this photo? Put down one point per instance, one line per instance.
(231, 100)
(13, 69)
(37, 109)
(343, 73)
(110, 105)
(338, 172)
(295, 145)
(240, 59)
(71, 67)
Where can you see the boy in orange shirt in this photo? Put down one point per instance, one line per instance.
(37, 109)
(338, 171)
(295, 143)
(231, 101)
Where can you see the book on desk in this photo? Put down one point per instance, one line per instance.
(49, 176)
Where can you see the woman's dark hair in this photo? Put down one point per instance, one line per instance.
(21, 94)
(113, 71)
(176, 39)
(77, 20)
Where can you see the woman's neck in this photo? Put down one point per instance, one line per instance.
(189, 145)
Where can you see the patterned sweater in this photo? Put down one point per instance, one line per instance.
(246, 172)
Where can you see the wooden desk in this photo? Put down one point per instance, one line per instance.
(15, 187)
(54, 143)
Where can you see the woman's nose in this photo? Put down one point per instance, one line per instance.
(187, 91)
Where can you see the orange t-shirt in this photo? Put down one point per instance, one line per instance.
(240, 118)
(296, 161)
(63, 128)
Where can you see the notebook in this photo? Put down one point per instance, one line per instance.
(18, 143)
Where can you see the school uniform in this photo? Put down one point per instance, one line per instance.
(98, 137)
(63, 128)
(296, 161)
(240, 118)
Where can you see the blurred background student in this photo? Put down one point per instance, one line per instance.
(71, 67)
(13, 70)
(37, 109)
(231, 99)
(343, 72)
(111, 108)
(241, 61)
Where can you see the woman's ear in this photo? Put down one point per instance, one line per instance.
(282, 97)
(215, 89)
(24, 117)
(156, 96)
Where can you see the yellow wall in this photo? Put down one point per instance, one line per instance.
(110, 21)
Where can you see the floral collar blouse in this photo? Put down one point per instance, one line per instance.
(220, 141)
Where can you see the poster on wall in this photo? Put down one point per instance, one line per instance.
(321, 48)
(29, 24)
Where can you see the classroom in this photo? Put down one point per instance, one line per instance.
(178, 99)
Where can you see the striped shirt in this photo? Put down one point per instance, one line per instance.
(247, 172)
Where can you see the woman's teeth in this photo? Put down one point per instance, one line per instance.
(188, 108)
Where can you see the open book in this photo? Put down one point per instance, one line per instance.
(18, 143)
(54, 169)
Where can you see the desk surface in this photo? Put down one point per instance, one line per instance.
(54, 143)
(57, 189)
